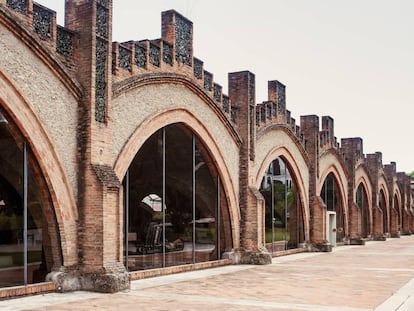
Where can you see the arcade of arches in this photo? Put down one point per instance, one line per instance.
(182, 200)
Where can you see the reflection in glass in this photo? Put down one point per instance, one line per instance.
(362, 203)
(397, 212)
(172, 201)
(22, 260)
(283, 212)
(383, 208)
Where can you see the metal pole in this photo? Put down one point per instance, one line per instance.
(194, 196)
(126, 218)
(163, 196)
(286, 224)
(25, 186)
(334, 204)
(333, 195)
(218, 217)
(272, 206)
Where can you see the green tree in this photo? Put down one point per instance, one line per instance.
(411, 174)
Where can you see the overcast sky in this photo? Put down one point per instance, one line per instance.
(352, 60)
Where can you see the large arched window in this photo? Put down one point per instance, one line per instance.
(397, 209)
(25, 248)
(284, 226)
(383, 207)
(331, 197)
(175, 206)
(362, 203)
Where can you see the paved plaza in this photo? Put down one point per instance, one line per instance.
(378, 276)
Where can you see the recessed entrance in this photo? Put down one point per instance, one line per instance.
(331, 197)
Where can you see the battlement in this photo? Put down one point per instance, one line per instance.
(327, 138)
(42, 21)
(273, 111)
(172, 53)
(352, 148)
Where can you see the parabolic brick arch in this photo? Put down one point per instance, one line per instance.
(125, 160)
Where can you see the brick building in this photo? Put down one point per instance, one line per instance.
(124, 160)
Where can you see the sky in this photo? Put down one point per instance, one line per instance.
(352, 60)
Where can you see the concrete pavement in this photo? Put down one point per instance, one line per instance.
(378, 276)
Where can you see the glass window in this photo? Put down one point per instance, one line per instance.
(22, 199)
(330, 196)
(362, 203)
(283, 209)
(174, 203)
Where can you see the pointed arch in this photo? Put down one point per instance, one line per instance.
(397, 205)
(383, 202)
(296, 173)
(363, 193)
(330, 164)
(186, 117)
(30, 126)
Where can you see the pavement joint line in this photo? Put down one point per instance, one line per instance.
(402, 300)
(315, 267)
(187, 276)
(27, 302)
(246, 302)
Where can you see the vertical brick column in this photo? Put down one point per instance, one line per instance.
(352, 149)
(242, 94)
(328, 126)
(178, 30)
(403, 182)
(390, 171)
(277, 93)
(100, 223)
(374, 164)
(310, 130)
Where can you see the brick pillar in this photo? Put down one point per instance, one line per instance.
(277, 93)
(178, 30)
(390, 171)
(328, 126)
(374, 165)
(404, 185)
(310, 130)
(242, 94)
(352, 149)
(100, 223)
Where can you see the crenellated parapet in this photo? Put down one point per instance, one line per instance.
(327, 139)
(390, 171)
(172, 53)
(274, 112)
(352, 150)
(41, 21)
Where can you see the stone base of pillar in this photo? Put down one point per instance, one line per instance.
(321, 247)
(357, 241)
(406, 233)
(249, 257)
(380, 238)
(104, 282)
(395, 235)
